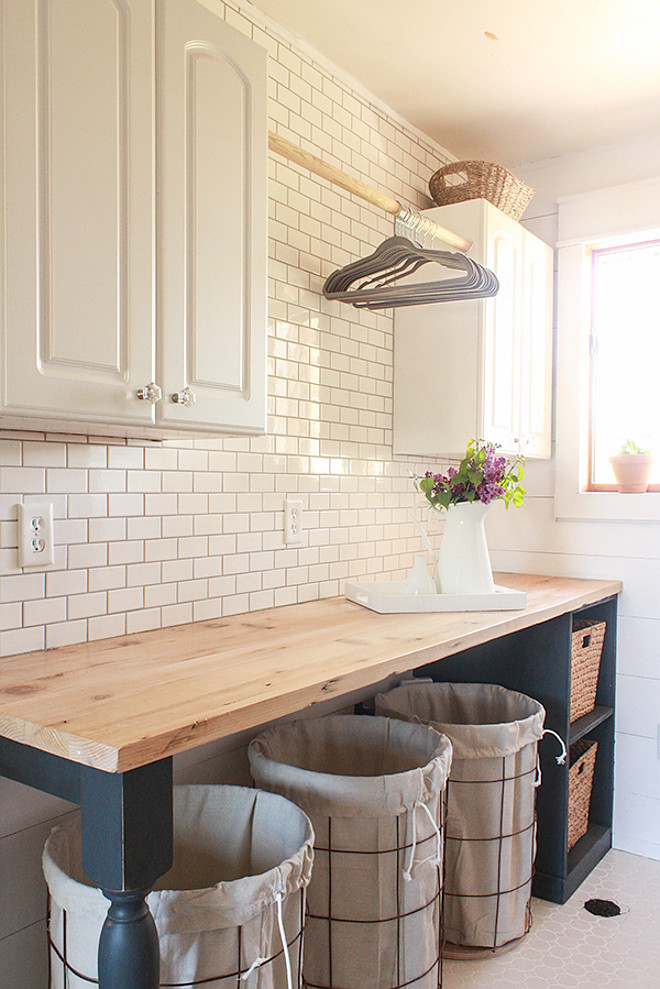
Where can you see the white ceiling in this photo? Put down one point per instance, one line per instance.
(558, 76)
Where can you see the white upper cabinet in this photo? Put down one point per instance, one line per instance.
(479, 368)
(77, 238)
(211, 221)
(134, 232)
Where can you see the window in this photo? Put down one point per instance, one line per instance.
(608, 348)
(624, 350)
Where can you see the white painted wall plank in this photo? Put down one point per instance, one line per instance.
(24, 959)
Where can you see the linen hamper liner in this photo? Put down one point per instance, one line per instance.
(374, 791)
(491, 804)
(242, 861)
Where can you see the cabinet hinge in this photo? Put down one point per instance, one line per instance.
(593, 344)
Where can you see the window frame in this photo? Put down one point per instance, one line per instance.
(604, 217)
(594, 250)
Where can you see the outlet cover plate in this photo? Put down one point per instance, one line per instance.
(36, 541)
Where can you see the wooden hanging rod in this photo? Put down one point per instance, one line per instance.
(411, 217)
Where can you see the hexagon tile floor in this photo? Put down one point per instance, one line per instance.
(569, 948)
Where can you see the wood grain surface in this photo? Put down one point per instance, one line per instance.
(120, 703)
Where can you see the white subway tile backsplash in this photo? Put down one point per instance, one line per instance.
(125, 599)
(66, 480)
(205, 610)
(22, 480)
(106, 625)
(11, 615)
(86, 455)
(143, 574)
(156, 595)
(145, 527)
(22, 640)
(125, 504)
(207, 566)
(160, 459)
(143, 621)
(106, 578)
(87, 555)
(172, 570)
(22, 586)
(160, 504)
(160, 549)
(87, 605)
(130, 551)
(126, 457)
(46, 612)
(44, 454)
(176, 614)
(11, 453)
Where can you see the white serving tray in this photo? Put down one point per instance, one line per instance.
(388, 597)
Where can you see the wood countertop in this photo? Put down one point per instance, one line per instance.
(124, 702)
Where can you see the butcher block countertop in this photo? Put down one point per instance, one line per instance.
(120, 703)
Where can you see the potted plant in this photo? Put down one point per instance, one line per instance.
(632, 466)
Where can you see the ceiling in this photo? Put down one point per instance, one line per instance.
(501, 80)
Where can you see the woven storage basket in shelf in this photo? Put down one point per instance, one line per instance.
(587, 646)
(580, 783)
(481, 180)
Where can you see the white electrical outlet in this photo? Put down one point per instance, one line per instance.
(293, 520)
(36, 543)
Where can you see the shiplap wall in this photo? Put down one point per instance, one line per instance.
(536, 542)
(148, 536)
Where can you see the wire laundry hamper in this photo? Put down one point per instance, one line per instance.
(491, 804)
(373, 789)
(229, 913)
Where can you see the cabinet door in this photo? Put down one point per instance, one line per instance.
(77, 337)
(211, 221)
(501, 349)
(536, 349)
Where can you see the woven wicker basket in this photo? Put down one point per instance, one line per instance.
(580, 783)
(481, 180)
(587, 646)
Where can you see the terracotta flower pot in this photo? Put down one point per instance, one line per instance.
(631, 471)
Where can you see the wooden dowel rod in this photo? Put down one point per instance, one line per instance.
(319, 167)
(332, 174)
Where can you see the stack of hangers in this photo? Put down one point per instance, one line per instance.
(397, 257)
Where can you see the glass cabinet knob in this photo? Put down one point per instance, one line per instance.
(150, 393)
(186, 397)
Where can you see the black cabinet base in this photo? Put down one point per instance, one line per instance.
(586, 854)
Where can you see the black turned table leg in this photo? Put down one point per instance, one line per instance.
(127, 841)
(127, 846)
(128, 949)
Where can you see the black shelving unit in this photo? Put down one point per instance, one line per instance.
(537, 662)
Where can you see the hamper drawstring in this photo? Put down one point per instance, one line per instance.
(285, 948)
(561, 758)
(255, 964)
(435, 859)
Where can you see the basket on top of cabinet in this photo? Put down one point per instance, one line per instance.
(587, 646)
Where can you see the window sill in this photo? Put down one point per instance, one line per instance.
(607, 506)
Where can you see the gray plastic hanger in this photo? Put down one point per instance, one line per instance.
(397, 257)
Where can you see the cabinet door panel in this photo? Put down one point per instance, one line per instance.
(77, 154)
(536, 343)
(212, 216)
(501, 342)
